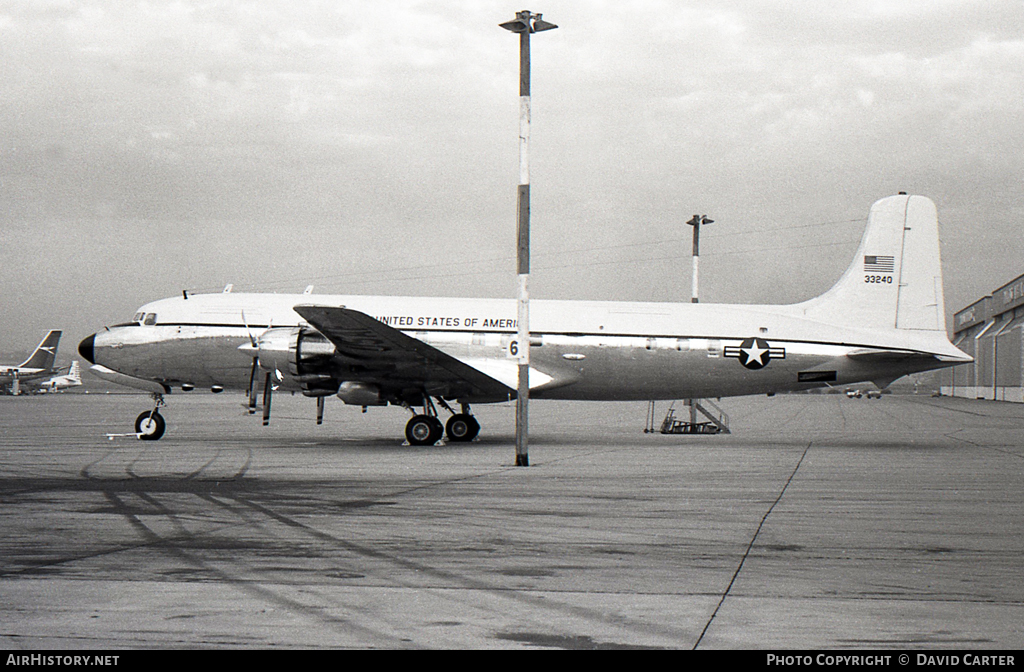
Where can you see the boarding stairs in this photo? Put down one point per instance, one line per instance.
(716, 420)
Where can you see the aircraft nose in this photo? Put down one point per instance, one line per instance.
(86, 348)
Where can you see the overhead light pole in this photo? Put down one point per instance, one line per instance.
(695, 222)
(525, 23)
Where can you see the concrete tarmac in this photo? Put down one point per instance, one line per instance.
(821, 522)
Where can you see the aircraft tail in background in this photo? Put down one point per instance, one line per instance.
(45, 353)
(73, 378)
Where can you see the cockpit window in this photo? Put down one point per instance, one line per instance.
(150, 319)
(138, 317)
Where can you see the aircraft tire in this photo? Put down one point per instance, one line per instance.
(462, 427)
(150, 426)
(423, 430)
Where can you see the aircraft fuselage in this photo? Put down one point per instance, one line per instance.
(579, 350)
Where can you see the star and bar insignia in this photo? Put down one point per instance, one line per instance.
(754, 353)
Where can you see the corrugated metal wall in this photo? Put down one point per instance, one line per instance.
(992, 331)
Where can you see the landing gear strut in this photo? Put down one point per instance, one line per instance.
(461, 426)
(150, 425)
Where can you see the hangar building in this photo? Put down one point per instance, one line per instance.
(992, 331)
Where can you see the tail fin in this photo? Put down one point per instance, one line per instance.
(45, 352)
(895, 280)
(75, 372)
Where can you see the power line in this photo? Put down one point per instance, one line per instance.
(397, 274)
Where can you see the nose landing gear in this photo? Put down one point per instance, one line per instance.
(150, 425)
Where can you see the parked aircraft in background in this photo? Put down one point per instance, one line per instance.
(883, 319)
(38, 365)
(73, 378)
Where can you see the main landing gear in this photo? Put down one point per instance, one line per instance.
(425, 429)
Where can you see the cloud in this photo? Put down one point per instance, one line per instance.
(266, 142)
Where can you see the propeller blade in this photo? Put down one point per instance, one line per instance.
(267, 393)
(252, 339)
(253, 382)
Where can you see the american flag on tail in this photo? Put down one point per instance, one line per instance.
(879, 264)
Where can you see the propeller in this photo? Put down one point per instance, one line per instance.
(253, 381)
(267, 395)
(252, 386)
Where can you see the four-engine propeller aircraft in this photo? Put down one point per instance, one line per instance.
(883, 319)
(38, 365)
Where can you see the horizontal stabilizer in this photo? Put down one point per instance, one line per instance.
(868, 354)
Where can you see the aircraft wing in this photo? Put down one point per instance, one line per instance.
(384, 355)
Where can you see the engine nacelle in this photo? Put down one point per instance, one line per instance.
(360, 394)
(300, 356)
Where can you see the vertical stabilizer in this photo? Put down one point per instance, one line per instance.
(895, 279)
(45, 353)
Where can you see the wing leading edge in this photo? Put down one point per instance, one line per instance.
(393, 359)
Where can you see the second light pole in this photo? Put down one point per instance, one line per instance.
(695, 223)
(525, 23)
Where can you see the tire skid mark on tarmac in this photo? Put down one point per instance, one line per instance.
(121, 508)
(842, 415)
(800, 410)
(523, 596)
(104, 485)
(86, 472)
(171, 543)
(946, 408)
(955, 437)
(255, 589)
(518, 595)
(461, 582)
(898, 419)
(238, 475)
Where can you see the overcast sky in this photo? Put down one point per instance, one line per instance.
(371, 147)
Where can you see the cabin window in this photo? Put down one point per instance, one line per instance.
(150, 319)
